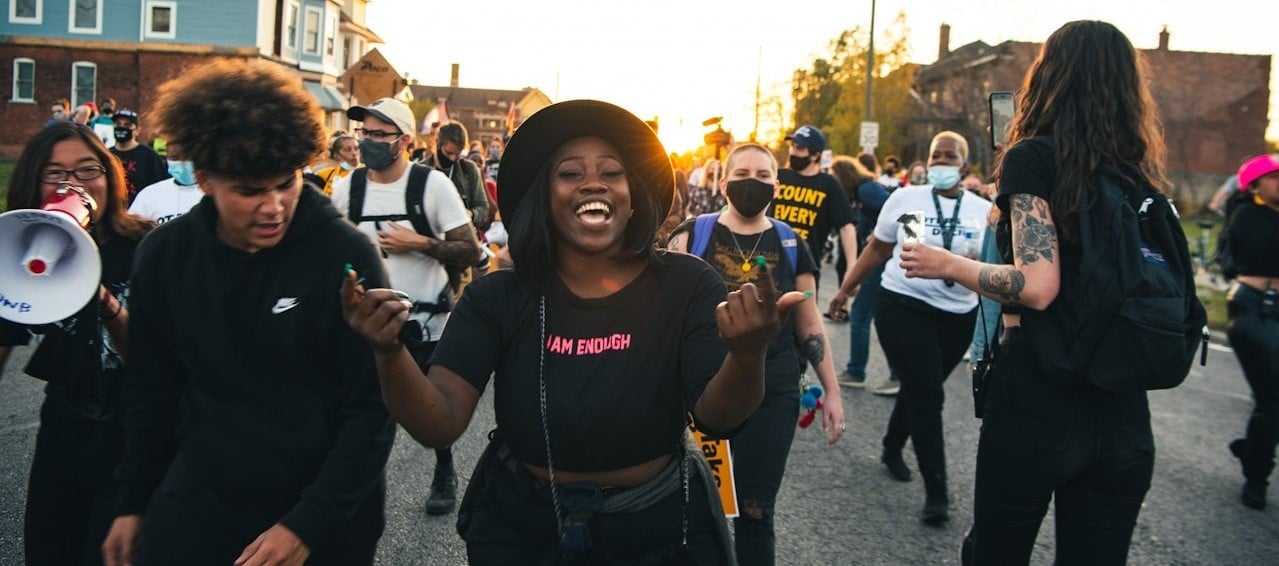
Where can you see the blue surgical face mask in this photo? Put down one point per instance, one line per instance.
(943, 177)
(183, 172)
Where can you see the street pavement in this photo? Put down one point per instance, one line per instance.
(837, 505)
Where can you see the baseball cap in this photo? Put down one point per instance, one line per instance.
(125, 114)
(810, 138)
(388, 110)
(1256, 168)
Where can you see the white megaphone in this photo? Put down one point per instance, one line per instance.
(49, 265)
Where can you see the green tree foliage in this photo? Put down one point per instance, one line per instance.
(831, 94)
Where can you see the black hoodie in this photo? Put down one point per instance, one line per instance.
(241, 366)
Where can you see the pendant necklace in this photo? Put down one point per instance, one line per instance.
(746, 258)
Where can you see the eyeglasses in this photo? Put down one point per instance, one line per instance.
(377, 135)
(86, 173)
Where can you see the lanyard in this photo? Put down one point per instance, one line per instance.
(948, 227)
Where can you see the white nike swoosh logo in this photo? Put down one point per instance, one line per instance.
(284, 304)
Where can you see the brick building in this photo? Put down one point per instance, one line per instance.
(124, 49)
(484, 112)
(1214, 106)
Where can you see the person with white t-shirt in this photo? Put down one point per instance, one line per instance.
(924, 325)
(414, 261)
(168, 199)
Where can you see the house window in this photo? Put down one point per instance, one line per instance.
(291, 31)
(26, 11)
(84, 82)
(162, 19)
(330, 36)
(346, 52)
(24, 80)
(86, 16)
(311, 39)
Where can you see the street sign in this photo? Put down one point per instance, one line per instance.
(870, 135)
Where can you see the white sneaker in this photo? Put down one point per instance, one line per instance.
(888, 389)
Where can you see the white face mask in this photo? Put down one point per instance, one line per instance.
(943, 177)
(346, 166)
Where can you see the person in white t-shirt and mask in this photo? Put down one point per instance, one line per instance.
(414, 261)
(168, 199)
(924, 325)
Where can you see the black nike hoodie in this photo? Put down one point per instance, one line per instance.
(242, 369)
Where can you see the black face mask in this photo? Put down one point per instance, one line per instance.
(123, 134)
(798, 163)
(443, 160)
(750, 196)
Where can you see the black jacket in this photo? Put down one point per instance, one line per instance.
(241, 366)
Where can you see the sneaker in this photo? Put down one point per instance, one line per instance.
(443, 496)
(1254, 495)
(888, 389)
(849, 380)
(896, 466)
(935, 512)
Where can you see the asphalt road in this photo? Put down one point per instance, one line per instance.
(837, 505)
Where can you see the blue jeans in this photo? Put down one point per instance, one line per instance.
(1090, 452)
(1255, 338)
(859, 318)
(988, 314)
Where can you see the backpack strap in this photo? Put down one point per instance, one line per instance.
(413, 195)
(705, 224)
(789, 242)
(702, 229)
(355, 206)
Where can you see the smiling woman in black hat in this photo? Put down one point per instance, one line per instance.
(600, 348)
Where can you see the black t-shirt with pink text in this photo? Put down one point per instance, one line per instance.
(622, 372)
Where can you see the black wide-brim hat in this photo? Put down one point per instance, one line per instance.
(545, 131)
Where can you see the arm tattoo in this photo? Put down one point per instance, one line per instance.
(1003, 283)
(458, 248)
(1034, 235)
(814, 349)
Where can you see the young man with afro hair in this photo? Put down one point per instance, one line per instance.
(255, 432)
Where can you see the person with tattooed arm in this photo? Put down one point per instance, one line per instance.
(924, 326)
(1089, 451)
(762, 445)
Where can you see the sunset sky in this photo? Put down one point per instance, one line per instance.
(685, 61)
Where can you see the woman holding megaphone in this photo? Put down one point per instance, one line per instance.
(70, 490)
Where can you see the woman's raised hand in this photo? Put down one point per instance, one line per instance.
(753, 314)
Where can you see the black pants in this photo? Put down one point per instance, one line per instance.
(509, 519)
(1255, 339)
(421, 352)
(190, 521)
(759, 452)
(922, 345)
(70, 498)
(1090, 450)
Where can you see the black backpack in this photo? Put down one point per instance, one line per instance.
(1126, 317)
(1225, 257)
(416, 216)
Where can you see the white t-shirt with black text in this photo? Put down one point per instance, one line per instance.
(967, 241)
(165, 200)
(421, 276)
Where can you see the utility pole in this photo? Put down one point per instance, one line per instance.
(759, 63)
(870, 65)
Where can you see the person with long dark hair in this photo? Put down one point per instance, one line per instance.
(71, 489)
(599, 348)
(1253, 240)
(1084, 108)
